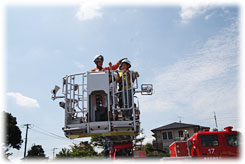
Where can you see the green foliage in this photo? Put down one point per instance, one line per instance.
(64, 153)
(36, 151)
(151, 152)
(81, 150)
(12, 134)
(101, 154)
(98, 141)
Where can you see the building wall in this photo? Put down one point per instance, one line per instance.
(163, 144)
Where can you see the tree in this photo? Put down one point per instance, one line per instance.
(64, 153)
(98, 141)
(151, 152)
(81, 150)
(36, 152)
(12, 134)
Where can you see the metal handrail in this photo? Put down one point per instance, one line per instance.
(78, 106)
(70, 94)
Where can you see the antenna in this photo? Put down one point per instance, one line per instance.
(215, 121)
(180, 118)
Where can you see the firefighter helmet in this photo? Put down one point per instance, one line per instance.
(98, 58)
(126, 61)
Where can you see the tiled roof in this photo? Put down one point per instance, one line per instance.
(176, 125)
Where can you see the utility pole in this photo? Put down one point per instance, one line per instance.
(215, 121)
(27, 127)
(54, 152)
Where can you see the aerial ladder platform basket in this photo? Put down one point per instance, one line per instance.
(94, 106)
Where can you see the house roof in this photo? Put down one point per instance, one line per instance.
(177, 125)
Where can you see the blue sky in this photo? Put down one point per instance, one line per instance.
(191, 54)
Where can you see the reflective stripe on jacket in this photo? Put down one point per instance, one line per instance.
(125, 75)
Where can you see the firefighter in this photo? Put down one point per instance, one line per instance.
(125, 86)
(113, 80)
(186, 135)
(99, 59)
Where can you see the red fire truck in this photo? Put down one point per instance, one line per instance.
(178, 149)
(126, 151)
(208, 144)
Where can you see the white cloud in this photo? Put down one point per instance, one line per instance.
(24, 101)
(78, 65)
(190, 11)
(88, 11)
(208, 16)
(202, 82)
(148, 140)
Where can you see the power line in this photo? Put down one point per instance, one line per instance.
(52, 133)
(234, 119)
(220, 118)
(47, 133)
(35, 130)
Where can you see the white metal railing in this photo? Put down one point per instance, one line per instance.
(124, 90)
(121, 98)
(74, 90)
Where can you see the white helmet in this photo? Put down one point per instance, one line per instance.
(186, 132)
(126, 61)
(98, 58)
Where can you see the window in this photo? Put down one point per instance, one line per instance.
(164, 135)
(232, 140)
(170, 135)
(181, 133)
(209, 140)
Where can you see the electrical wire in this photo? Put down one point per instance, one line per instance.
(35, 130)
(73, 140)
(52, 135)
